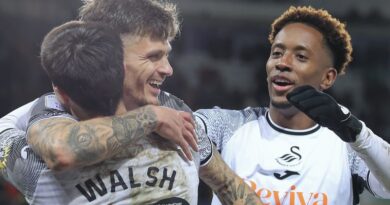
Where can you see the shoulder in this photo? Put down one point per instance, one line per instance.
(231, 116)
(48, 101)
(48, 106)
(171, 101)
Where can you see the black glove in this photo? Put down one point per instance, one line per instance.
(324, 110)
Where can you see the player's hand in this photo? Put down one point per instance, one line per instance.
(178, 127)
(324, 110)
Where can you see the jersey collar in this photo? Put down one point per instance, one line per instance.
(291, 131)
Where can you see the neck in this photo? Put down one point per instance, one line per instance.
(129, 102)
(80, 113)
(290, 118)
(121, 109)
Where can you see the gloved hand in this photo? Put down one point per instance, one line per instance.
(324, 110)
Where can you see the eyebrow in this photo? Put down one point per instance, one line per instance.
(154, 52)
(278, 45)
(296, 48)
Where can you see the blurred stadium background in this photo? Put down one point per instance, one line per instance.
(219, 58)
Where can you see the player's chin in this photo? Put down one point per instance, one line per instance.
(281, 103)
(152, 100)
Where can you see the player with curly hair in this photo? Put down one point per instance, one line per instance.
(304, 148)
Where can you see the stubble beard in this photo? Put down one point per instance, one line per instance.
(281, 105)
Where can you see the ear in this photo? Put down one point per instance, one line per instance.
(328, 78)
(61, 95)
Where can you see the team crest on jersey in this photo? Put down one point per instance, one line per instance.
(290, 159)
(285, 174)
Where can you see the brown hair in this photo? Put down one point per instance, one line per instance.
(85, 59)
(334, 32)
(156, 19)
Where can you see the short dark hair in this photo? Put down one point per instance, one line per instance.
(86, 61)
(155, 19)
(336, 36)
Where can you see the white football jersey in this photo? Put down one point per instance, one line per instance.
(284, 166)
(151, 171)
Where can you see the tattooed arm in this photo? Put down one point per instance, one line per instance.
(227, 185)
(64, 142)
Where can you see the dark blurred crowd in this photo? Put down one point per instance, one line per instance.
(218, 63)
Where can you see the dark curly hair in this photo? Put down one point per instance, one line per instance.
(334, 32)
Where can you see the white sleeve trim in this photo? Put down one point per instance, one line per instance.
(207, 160)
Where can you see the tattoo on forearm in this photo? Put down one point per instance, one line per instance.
(134, 126)
(94, 140)
(85, 147)
(42, 145)
(229, 188)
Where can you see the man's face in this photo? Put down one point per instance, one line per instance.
(299, 56)
(146, 67)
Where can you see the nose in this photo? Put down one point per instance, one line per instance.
(166, 69)
(284, 64)
(282, 67)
